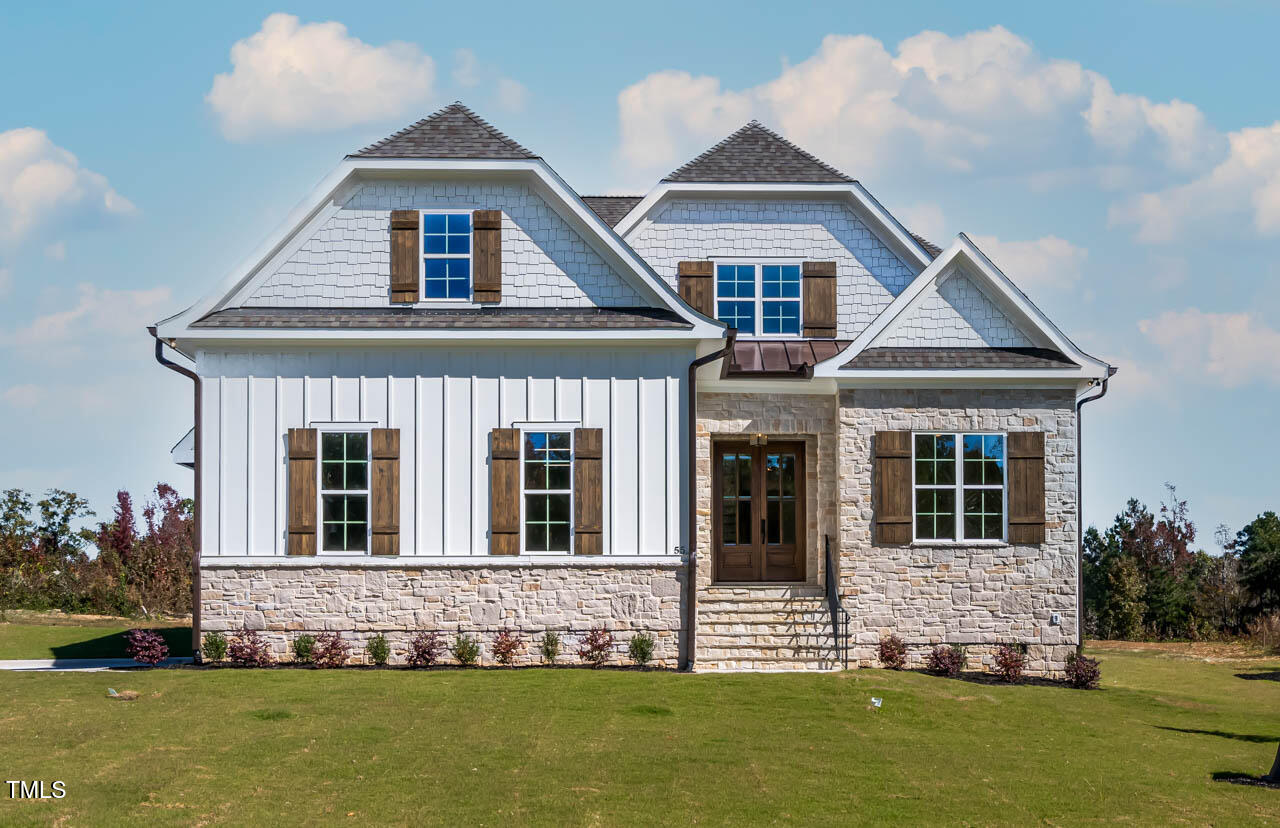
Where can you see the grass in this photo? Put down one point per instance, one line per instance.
(580, 747)
(54, 635)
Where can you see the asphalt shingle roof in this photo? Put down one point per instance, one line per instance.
(925, 359)
(453, 132)
(758, 154)
(929, 247)
(428, 318)
(612, 209)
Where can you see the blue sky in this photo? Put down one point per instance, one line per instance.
(1121, 163)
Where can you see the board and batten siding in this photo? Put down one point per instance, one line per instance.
(445, 402)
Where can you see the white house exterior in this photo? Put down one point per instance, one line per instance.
(450, 394)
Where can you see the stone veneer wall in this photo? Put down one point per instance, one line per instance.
(811, 418)
(361, 601)
(972, 595)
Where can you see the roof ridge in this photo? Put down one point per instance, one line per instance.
(502, 136)
(754, 124)
(456, 106)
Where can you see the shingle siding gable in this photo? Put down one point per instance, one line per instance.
(957, 315)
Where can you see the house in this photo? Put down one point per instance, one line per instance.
(748, 412)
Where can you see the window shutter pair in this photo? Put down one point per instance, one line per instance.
(504, 491)
(892, 494)
(696, 283)
(384, 491)
(486, 255)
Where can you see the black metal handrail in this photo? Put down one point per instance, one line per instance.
(839, 615)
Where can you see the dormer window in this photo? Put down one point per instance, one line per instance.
(759, 299)
(446, 256)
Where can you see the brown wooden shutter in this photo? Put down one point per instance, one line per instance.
(588, 491)
(504, 491)
(486, 255)
(406, 247)
(819, 299)
(891, 474)
(384, 490)
(302, 491)
(1025, 463)
(696, 285)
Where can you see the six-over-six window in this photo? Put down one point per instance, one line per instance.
(759, 299)
(959, 486)
(344, 491)
(446, 256)
(547, 461)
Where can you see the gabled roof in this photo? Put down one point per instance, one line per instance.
(756, 154)
(929, 247)
(934, 359)
(612, 209)
(453, 132)
(481, 318)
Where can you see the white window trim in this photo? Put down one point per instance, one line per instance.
(758, 263)
(547, 427)
(422, 259)
(959, 488)
(344, 428)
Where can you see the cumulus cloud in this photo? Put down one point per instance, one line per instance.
(979, 103)
(40, 183)
(96, 312)
(466, 68)
(315, 76)
(23, 396)
(1231, 349)
(927, 220)
(1048, 263)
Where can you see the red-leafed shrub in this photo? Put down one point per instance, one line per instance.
(1010, 660)
(946, 660)
(330, 650)
(247, 649)
(595, 646)
(425, 649)
(506, 646)
(893, 653)
(146, 647)
(1083, 672)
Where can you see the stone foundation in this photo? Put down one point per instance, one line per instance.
(361, 602)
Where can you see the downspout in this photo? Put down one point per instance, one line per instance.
(691, 579)
(195, 547)
(1080, 509)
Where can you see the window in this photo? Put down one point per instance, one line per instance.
(344, 491)
(759, 298)
(959, 487)
(548, 490)
(446, 256)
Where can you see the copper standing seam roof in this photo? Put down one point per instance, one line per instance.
(780, 358)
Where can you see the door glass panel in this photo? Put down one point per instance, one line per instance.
(729, 521)
(780, 492)
(735, 506)
(774, 521)
(744, 524)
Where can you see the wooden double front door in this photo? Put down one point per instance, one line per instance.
(758, 511)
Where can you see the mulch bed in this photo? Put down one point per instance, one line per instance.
(1248, 779)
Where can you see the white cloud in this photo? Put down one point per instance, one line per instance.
(1231, 349)
(6, 281)
(927, 220)
(23, 396)
(1047, 263)
(466, 68)
(314, 76)
(512, 95)
(96, 313)
(982, 102)
(57, 251)
(42, 183)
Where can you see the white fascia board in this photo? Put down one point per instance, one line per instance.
(325, 200)
(943, 378)
(881, 222)
(810, 386)
(1032, 320)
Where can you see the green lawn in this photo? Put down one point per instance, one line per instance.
(574, 747)
(51, 635)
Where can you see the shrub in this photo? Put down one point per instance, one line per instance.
(466, 649)
(596, 646)
(378, 649)
(946, 660)
(425, 649)
(1010, 659)
(146, 647)
(641, 648)
(505, 647)
(303, 648)
(215, 646)
(893, 653)
(1083, 672)
(330, 650)
(550, 646)
(247, 649)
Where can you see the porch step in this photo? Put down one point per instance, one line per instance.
(764, 628)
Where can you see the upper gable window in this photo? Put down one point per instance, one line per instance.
(759, 299)
(446, 256)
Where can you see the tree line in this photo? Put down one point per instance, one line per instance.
(122, 567)
(1143, 578)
